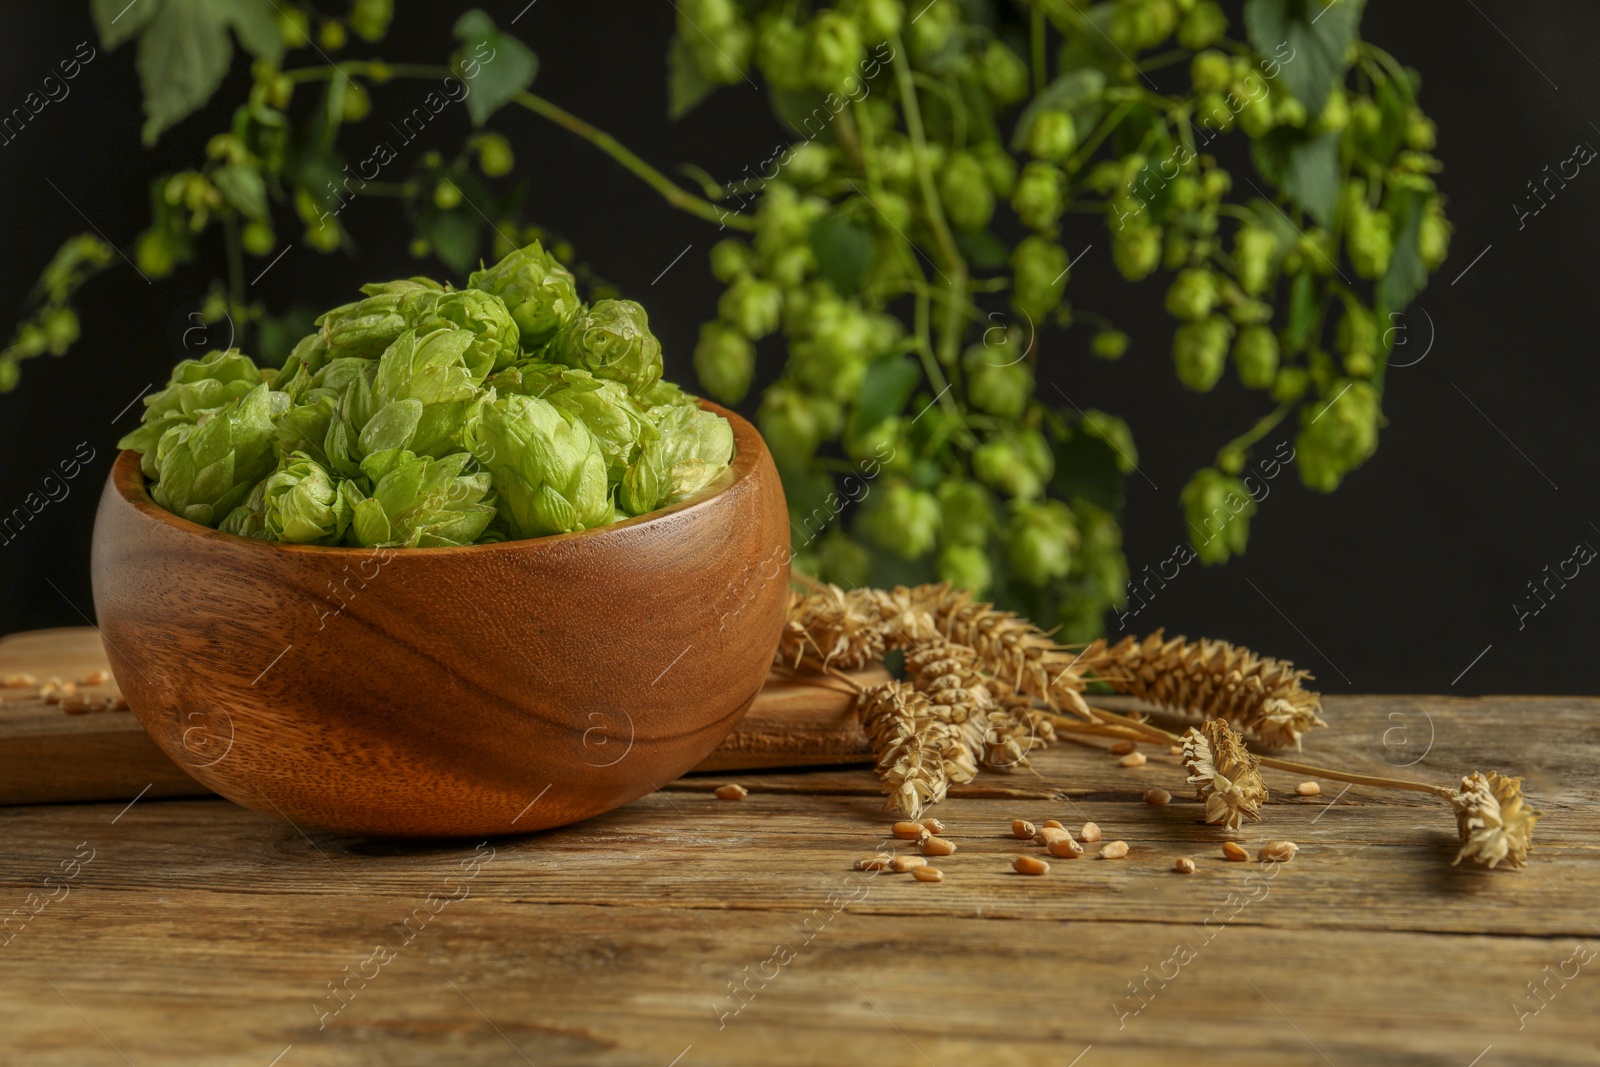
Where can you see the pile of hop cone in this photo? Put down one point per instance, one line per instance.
(984, 687)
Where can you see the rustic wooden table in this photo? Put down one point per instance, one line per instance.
(684, 930)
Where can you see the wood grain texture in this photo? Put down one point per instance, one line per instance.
(50, 757)
(684, 929)
(440, 691)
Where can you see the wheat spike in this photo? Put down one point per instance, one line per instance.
(1495, 823)
(1016, 728)
(1224, 773)
(1213, 679)
(919, 752)
(1012, 650)
(832, 628)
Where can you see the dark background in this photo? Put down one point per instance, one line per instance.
(1485, 474)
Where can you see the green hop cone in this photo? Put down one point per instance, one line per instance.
(498, 341)
(752, 305)
(1116, 434)
(902, 520)
(546, 466)
(1017, 462)
(833, 360)
(612, 340)
(964, 187)
(1037, 198)
(1039, 541)
(1136, 250)
(966, 567)
(1433, 234)
(835, 52)
(781, 49)
(1039, 276)
(1338, 432)
(421, 392)
(1217, 509)
(1004, 73)
(418, 501)
(809, 163)
(207, 468)
(731, 259)
(999, 169)
(879, 19)
(1369, 241)
(1290, 384)
(1253, 249)
(794, 422)
(1192, 295)
(1203, 26)
(995, 385)
(539, 292)
(691, 447)
(1052, 136)
(197, 386)
(301, 503)
(1255, 357)
(366, 327)
(1210, 72)
(1109, 344)
(1200, 351)
(1100, 562)
(843, 560)
(725, 361)
(967, 513)
(616, 419)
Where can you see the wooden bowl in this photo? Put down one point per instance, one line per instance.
(487, 689)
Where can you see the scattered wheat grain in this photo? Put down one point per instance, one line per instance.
(1232, 850)
(1114, 850)
(1132, 759)
(902, 864)
(937, 846)
(1183, 865)
(1022, 828)
(1308, 789)
(1157, 797)
(1277, 852)
(732, 791)
(927, 874)
(909, 831)
(1064, 847)
(1090, 833)
(1030, 865)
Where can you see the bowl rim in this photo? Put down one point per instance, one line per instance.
(128, 481)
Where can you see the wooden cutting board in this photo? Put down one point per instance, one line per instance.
(48, 756)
